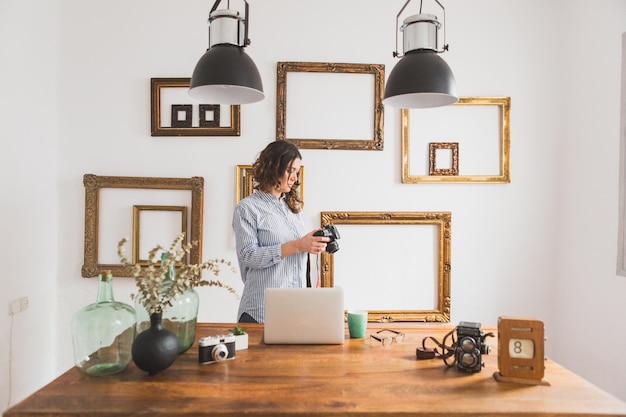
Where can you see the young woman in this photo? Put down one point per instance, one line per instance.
(271, 242)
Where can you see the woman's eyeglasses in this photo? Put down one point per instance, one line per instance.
(387, 339)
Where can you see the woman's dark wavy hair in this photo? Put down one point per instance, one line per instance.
(270, 166)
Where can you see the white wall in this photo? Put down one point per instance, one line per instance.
(29, 244)
(590, 294)
(516, 248)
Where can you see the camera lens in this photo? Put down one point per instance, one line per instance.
(469, 360)
(219, 352)
(332, 247)
(468, 344)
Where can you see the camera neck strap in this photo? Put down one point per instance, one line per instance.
(308, 270)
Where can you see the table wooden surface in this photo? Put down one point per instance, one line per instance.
(357, 378)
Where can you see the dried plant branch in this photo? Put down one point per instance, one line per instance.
(152, 293)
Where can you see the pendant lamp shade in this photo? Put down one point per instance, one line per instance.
(225, 74)
(421, 78)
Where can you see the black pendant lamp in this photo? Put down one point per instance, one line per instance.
(225, 74)
(422, 78)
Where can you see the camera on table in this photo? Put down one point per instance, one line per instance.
(330, 231)
(470, 347)
(216, 348)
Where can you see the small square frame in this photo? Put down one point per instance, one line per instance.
(209, 129)
(137, 210)
(432, 158)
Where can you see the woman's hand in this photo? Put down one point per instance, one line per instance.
(307, 243)
(313, 244)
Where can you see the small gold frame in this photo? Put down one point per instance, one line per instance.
(443, 221)
(432, 158)
(377, 70)
(504, 176)
(245, 182)
(156, 84)
(94, 183)
(137, 229)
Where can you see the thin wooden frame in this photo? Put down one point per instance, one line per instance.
(377, 70)
(245, 182)
(94, 183)
(157, 128)
(504, 176)
(443, 222)
(137, 229)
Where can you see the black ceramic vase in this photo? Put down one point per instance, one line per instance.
(156, 348)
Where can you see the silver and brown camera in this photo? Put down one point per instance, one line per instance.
(216, 348)
(470, 347)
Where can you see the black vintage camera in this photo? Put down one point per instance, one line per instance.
(330, 231)
(470, 346)
(216, 348)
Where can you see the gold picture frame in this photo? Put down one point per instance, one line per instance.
(245, 182)
(94, 184)
(189, 126)
(500, 127)
(376, 142)
(442, 222)
(434, 169)
(137, 236)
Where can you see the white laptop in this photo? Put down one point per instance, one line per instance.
(304, 316)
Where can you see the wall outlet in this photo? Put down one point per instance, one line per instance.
(18, 305)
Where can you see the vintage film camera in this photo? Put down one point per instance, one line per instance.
(470, 347)
(216, 348)
(330, 231)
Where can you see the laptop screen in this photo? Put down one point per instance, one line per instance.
(304, 316)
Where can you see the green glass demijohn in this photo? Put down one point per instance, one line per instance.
(103, 332)
(180, 317)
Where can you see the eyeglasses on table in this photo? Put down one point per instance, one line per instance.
(388, 339)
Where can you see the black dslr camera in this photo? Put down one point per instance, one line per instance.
(470, 346)
(330, 231)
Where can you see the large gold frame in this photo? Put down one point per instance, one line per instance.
(93, 183)
(504, 104)
(245, 182)
(377, 70)
(443, 220)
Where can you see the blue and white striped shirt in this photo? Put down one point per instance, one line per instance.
(262, 223)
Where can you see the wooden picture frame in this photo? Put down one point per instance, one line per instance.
(95, 185)
(440, 247)
(225, 120)
(166, 234)
(434, 168)
(245, 182)
(469, 111)
(320, 107)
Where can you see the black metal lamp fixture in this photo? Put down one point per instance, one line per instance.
(225, 74)
(422, 78)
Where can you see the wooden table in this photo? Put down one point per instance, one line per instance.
(358, 378)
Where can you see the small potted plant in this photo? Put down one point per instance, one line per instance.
(241, 337)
